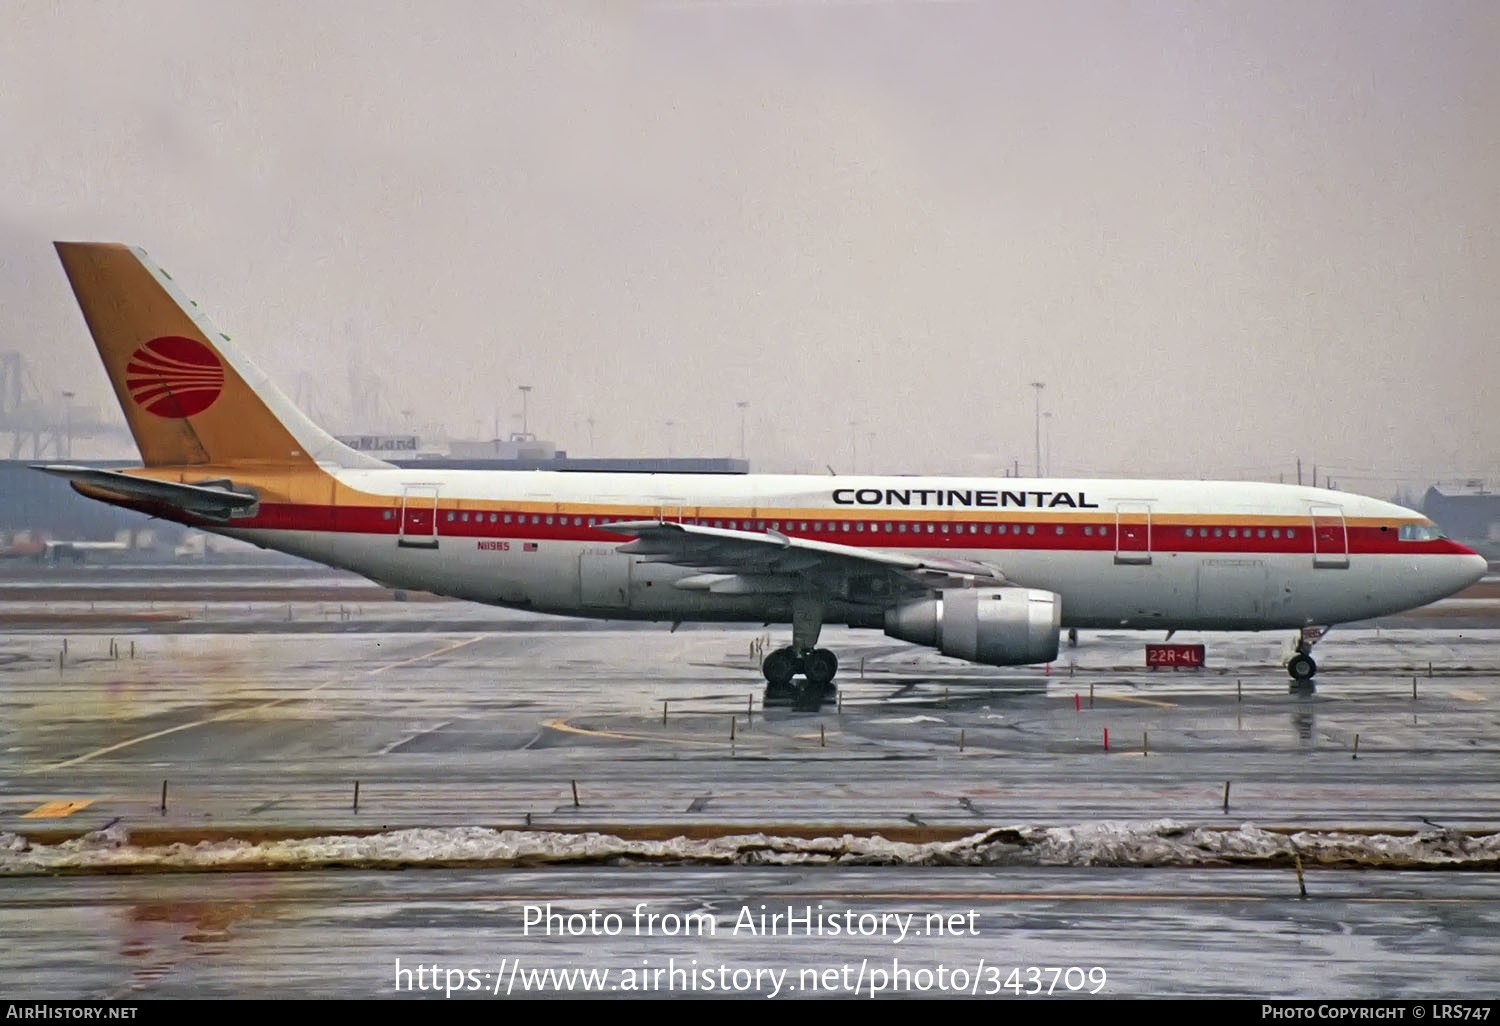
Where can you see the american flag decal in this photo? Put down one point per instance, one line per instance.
(529, 547)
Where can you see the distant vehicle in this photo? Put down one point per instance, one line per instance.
(984, 570)
(24, 545)
(29, 545)
(78, 551)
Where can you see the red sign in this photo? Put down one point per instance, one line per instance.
(1174, 655)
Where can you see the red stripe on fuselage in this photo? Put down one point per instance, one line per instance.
(870, 533)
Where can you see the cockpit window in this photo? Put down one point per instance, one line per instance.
(1420, 532)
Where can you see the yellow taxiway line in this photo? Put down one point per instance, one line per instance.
(235, 713)
(59, 809)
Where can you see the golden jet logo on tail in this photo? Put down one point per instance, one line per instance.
(174, 377)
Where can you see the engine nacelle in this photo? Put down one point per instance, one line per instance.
(996, 626)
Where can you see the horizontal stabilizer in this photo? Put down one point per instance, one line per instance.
(214, 500)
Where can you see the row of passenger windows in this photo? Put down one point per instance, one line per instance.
(1238, 532)
(814, 526)
(881, 527)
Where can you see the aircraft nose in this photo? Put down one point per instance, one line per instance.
(1475, 567)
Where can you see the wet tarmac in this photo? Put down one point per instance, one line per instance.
(261, 718)
(673, 931)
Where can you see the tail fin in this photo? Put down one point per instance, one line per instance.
(189, 396)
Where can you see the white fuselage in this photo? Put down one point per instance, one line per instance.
(1139, 554)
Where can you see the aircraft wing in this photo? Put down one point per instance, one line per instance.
(215, 500)
(752, 562)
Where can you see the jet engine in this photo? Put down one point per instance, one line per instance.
(996, 626)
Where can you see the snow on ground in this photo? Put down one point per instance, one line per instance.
(1121, 844)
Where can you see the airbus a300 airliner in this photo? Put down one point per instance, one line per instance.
(984, 570)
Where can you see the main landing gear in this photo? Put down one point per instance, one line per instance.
(1301, 665)
(817, 666)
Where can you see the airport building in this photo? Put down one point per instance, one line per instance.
(1467, 511)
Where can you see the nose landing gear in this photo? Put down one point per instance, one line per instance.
(1301, 665)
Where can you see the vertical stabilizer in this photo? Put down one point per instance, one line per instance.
(188, 395)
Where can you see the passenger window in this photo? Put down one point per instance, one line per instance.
(535, 519)
(1188, 533)
(929, 529)
(1275, 532)
(888, 527)
(1290, 533)
(943, 528)
(1031, 529)
(1088, 531)
(999, 528)
(450, 518)
(846, 527)
(1231, 532)
(987, 528)
(1059, 528)
(1103, 531)
(506, 518)
(901, 528)
(549, 520)
(386, 515)
(1218, 532)
(1260, 532)
(860, 526)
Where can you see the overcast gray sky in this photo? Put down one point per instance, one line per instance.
(1223, 233)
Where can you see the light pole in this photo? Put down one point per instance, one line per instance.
(68, 421)
(743, 405)
(854, 447)
(1038, 385)
(1047, 449)
(592, 451)
(525, 391)
(670, 425)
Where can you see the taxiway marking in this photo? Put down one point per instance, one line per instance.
(567, 728)
(1139, 701)
(59, 809)
(236, 713)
